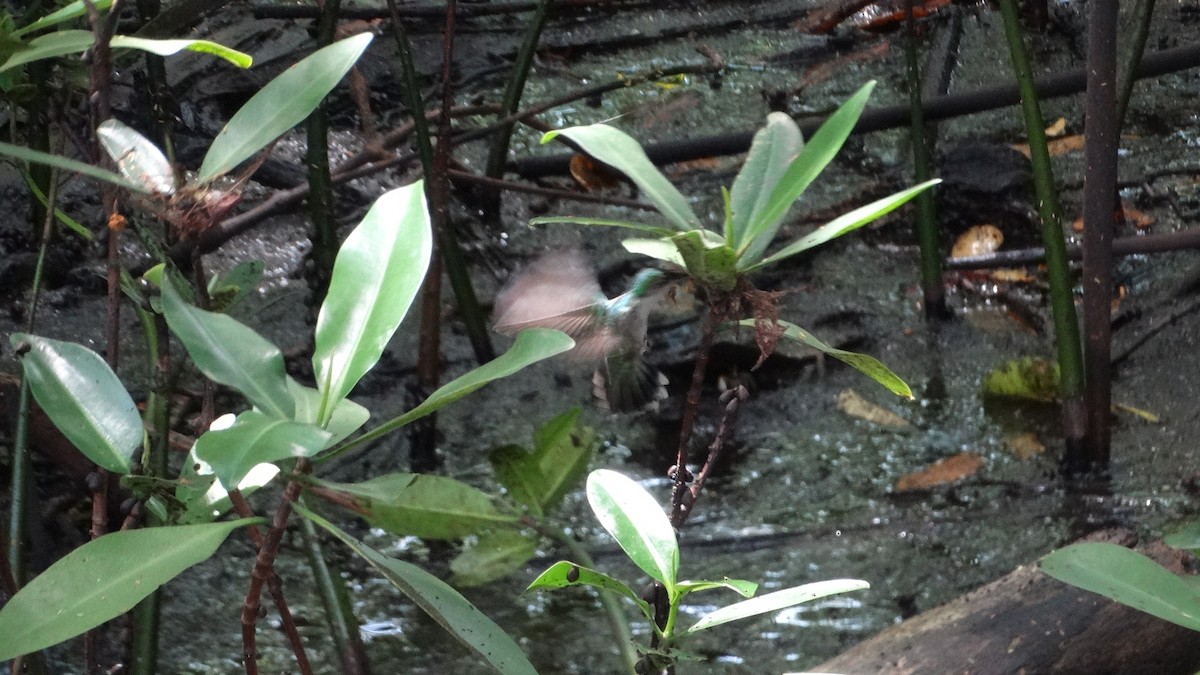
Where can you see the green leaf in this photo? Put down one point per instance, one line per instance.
(72, 11)
(254, 439)
(604, 222)
(347, 416)
(172, 47)
(51, 45)
(620, 151)
(847, 222)
(231, 353)
(773, 149)
(63, 42)
(84, 398)
(559, 461)
(1029, 379)
(773, 602)
(532, 345)
(137, 158)
(659, 249)
(377, 274)
(1130, 578)
(638, 524)
(563, 574)
(280, 105)
(68, 165)
(494, 555)
(746, 589)
(864, 364)
(1186, 537)
(421, 505)
(712, 264)
(225, 291)
(816, 155)
(443, 604)
(101, 580)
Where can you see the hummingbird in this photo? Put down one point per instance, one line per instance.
(560, 290)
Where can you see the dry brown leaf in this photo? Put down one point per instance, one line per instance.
(590, 175)
(853, 404)
(949, 470)
(1024, 446)
(1057, 129)
(978, 240)
(1138, 219)
(1055, 147)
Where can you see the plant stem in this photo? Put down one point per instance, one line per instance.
(498, 152)
(336, 601)
(927, 234)
(680, 504)
(1099, 206)
(1062, 302)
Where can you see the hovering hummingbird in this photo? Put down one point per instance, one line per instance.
(560, 291)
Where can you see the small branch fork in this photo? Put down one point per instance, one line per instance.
(264, 573)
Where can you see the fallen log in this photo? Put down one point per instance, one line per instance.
(1027, 622)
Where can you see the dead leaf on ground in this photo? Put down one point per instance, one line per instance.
(949, 470)
(978, 240)
(853, 404)
(1024, 446)
(1140, 220)
(1057, 129)
(1055, 147)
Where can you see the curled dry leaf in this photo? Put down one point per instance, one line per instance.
(853, 404)
(942, 472)
(979, 240)
(1025, 445)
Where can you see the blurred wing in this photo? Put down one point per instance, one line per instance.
(558, 290)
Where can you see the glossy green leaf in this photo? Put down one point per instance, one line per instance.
(847, 222)
(378, 272)
(84, 398)
(494, 555)
(280, 105)
(773, 602)
(231, 353)
(816, 155)
(563, 574)
(712, 264)
(172, 47)
(771, 153)
(422, 505)
(637, 522)
(1186, 537)
(659, 249)
(67, 12)
(1029, 379)
(532, 345)
(68, 165)
(620, 151)
(253, 439)
(1130, 578)
(139, 160)
(49, 46)
(559, 461)
(603, 222)
(347, 416)
(867, 365)
(746, 589)
(64, 42)
(101, 580)
(443, 604)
